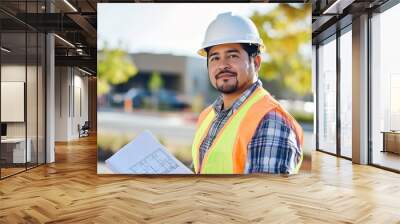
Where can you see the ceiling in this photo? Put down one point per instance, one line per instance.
(330, 15)
(75, 21)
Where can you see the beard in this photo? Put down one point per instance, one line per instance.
(226, 87)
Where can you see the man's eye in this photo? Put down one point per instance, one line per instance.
(213, 58)
(233, 56)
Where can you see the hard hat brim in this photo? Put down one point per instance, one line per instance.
(202, 51)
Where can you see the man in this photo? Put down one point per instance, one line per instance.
(245, 130)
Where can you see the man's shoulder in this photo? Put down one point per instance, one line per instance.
(275, 126)
(274, 116)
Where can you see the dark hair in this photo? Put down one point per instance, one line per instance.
(251, 49)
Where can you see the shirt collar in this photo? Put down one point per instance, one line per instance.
(218, 103)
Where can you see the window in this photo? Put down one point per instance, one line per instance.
(346, 94)
(385, 89)
(327, 96)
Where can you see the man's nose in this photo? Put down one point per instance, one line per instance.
(223, 64)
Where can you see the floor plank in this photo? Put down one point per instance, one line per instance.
(70, 191)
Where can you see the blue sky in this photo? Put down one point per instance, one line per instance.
(162, 28)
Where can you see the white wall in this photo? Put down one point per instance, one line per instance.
(80, 109)
(11, 73)
(71, 94)
(14, 73)
(33, 125)
(61, 103)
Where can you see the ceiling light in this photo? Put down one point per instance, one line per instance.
(79, 51)
(65, 41)
(71, 6)
(5, 49)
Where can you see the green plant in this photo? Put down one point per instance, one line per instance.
(303, 117)
(286, 31)
(114, 67)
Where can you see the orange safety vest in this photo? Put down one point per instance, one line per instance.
(228, 152)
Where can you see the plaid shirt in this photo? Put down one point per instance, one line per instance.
(273, 148)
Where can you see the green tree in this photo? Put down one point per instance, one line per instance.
(114, 67)
(156, 82)
(285, 30)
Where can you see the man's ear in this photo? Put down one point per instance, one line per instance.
(257, 63)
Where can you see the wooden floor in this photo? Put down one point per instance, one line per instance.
(10, 171)
(387, 159)
(70, 191)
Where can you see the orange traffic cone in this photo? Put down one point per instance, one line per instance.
(128, 105)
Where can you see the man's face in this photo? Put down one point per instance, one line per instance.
(229, 68)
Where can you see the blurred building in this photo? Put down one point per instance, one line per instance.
(182, 74)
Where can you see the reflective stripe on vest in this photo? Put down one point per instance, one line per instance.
(228, 152)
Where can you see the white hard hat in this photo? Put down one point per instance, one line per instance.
(229, 28)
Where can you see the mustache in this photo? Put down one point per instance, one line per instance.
(219, 74)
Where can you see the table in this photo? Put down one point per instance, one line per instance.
(391, 141)
(16, 147)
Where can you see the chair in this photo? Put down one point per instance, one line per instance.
(84, 130)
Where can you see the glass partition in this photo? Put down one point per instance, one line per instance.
(41, 110)
(14, 154)
(22, 91)
(327, 96)
(385, 88)
(31, 98)
(346, 94)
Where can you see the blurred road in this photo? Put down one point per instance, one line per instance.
(172, 126)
